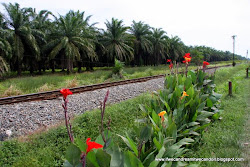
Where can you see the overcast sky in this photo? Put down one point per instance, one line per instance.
(197, 22)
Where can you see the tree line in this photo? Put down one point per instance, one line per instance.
(31, 40)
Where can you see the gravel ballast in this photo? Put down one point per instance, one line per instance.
(27, 117)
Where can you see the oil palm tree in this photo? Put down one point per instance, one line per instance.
(40, 21)
(159, 41)
(117, 42)
(69, 40)
(21, 35)
(176, 48)
(142, 43)
(5, 47)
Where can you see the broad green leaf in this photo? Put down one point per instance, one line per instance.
(154, 124)
(192, 124)
(188, 82)
(73, 154)
(180, 164)
(167, 164)
(130, 143)
(67, 164)
(131, 160)
(171, 151)
(158, 145)
(213, 99)
(117, 157)
(150, 157)
(167, 106)
(217, 96)
(201, 106)
(202, 127)
(145, 133)
(81, 144)
(204, 97)
(172, 130)
(159, 155)
(91, 159)
(99, 140)
(103, 158)
(205, 82)
(216, 116)
(185, 141)
(156, 118)
(209, 103)
(204, 114)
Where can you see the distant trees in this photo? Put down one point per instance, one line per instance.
(143, 46)
(35, 41)
(21, 35)
(117, 42)
(68, 40)
(176, 48)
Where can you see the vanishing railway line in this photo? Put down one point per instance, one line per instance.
(56, 93)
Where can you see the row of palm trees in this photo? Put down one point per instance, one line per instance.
(33, 41)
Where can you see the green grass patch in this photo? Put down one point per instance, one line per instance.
(48, 81)
(48, 149)
(224, 138)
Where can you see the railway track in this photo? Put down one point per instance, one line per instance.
(56, 93)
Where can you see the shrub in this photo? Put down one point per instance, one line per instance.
(118, 68)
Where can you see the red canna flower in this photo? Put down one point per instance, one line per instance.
(187, 58)
(187, 55)
(184, 61)
(92, 145)
(65, 93)
(171, 66)
(205, 64)
(169, 60)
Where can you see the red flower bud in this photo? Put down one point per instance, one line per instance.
(92, 145)
(65, 93)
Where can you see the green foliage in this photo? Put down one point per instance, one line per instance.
(197, 57)
(220, 140)
(118, 68)
(182, 123)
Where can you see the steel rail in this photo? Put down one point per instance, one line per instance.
(56, 93)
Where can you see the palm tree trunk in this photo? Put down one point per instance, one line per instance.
(40, 67)
(19, 70)
(79, 66)
(53, 66)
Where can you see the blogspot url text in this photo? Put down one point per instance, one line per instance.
(201, 159)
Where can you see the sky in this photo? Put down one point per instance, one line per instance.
(197, 22)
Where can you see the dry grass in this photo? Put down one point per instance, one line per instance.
(44, 88)
(72, 83)
(12, 91)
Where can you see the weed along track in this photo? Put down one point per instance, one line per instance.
(54, 94)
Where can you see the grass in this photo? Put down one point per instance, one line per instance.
(225, 138)
(48, 149)
(32, 84)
